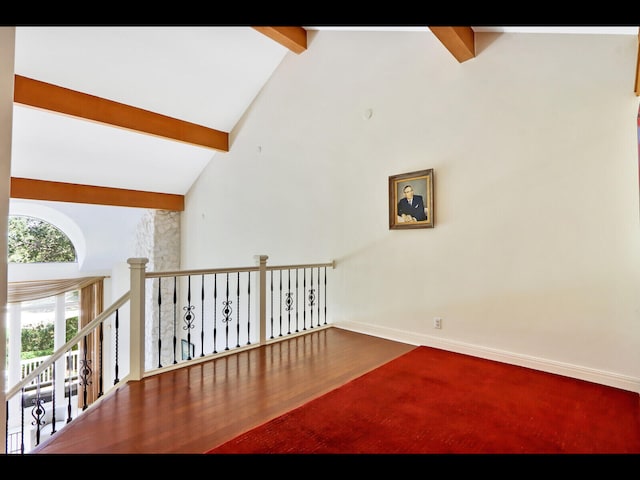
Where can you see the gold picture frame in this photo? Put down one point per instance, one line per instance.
(418, 188)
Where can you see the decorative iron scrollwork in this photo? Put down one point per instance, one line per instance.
(38, 412)
(288, 301)
(189, 317)
(227, 311)
(85, 372)
(312, 297)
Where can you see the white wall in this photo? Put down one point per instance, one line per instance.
(535, 256)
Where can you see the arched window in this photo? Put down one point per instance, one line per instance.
(32, 240)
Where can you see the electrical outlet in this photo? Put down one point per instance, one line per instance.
(437, 322)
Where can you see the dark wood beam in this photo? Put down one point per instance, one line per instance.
(75, 193)
(294, 38)
(460, 41)
(35, 93)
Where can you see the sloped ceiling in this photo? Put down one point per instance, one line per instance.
(198, 80)
(188, 77)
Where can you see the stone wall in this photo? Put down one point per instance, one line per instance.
(158, 239)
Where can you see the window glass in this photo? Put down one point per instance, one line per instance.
(32, 240)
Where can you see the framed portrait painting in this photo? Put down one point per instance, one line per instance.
(411, 200)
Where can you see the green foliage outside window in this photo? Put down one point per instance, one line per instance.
(32, 240)
(37, 341)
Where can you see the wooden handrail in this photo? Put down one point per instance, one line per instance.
(88, 328)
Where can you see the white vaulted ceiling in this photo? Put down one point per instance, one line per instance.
(205, 75)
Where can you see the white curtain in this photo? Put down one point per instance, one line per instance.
(36, 289)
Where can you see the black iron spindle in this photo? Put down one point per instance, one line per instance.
(238, 311)
(297, 270)
(202, 320)
(175, 319)
(70, 381)
(38, 411)
(304, 294)
(84, 377)
(226, 312)
(116, 380)
(53, 397)
(325, 295)
(248, 308)
(159, 322)
(271, 288)
(6, 427)
(215, 312)
(318, 296)
(312, 294)
(288, 302)
(280, 303)
(100, 365)
(188, 317)
(22, 420)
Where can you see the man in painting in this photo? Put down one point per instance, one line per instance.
(411, 208)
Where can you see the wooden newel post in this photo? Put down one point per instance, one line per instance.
(262, 297)
(137, 268)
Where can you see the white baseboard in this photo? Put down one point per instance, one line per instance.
(568, 370)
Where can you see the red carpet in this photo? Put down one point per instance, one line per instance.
(434, 401)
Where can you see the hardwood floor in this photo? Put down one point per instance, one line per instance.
(195, 408)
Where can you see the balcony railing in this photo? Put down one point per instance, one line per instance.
(167, 320)
(46, 377)
(41, 391)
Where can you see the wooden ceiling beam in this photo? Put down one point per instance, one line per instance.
(460, 41)
(76, 193)
(47, 96)
(294, 38)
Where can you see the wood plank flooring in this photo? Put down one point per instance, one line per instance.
(195, 408)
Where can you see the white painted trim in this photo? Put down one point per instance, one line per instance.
(550, 366)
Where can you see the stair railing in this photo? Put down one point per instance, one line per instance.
(175, 318)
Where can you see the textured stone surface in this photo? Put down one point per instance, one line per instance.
(158, 239)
